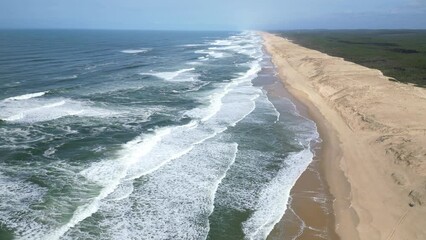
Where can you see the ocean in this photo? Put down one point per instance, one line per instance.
(144, 135)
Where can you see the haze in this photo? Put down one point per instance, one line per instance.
(212, 15)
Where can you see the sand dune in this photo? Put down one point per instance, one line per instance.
(381, 127)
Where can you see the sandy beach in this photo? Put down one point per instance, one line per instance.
(374, 133)
(309, 214)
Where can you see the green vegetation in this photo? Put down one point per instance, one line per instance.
(400, 54)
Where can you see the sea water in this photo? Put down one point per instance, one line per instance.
(143, 135)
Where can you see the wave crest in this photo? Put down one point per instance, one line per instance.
(26, 96)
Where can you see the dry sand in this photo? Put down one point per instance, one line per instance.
(374, 133)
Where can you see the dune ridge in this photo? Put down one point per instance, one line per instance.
(381, 129)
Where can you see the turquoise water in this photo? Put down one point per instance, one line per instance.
(143, 135)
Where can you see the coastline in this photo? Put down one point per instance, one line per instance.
(373, 196)
(310, 212)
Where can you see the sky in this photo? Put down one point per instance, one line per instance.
(213, 15)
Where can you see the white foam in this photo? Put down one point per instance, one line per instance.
(49, 152)
(246, 43)
(180, 75)
(194, 63)
(226, 48)
(214, 54)
(270, 207)
(203, 58)
(181, 168)
(215, 99)
(143, 156)
(175, 201)
(135, 51)
(39, 110)
(193, 45)
(111, 173)
(16, 198)
(194, 88)
(26, 96)
(222, 42)
(66, 77)
(94, 66)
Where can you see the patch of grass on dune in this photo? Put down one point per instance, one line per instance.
(400, 54)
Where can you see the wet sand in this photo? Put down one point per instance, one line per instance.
(310, 213)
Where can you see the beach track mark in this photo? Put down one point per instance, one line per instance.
(397, 224)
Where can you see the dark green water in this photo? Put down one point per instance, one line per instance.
(143, 135)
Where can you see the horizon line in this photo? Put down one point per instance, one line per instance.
(209, 30)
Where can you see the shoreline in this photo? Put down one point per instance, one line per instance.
(330, 156)
(371, 157)
(310, 203)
